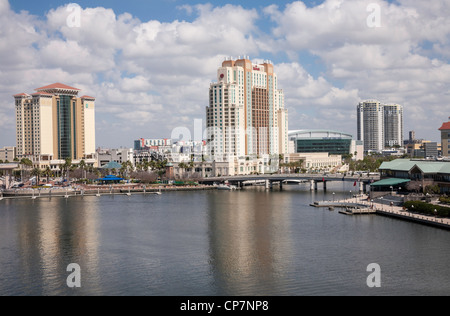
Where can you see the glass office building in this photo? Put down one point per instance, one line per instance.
(321, 141)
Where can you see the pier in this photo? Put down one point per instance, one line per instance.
(360, 205)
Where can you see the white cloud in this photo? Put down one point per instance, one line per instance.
(151, 76)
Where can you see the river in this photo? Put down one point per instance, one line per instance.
(251, 242)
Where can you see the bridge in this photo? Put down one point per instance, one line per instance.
(284, 179)
(7, 169)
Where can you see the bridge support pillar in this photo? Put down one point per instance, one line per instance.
(313, 185)
(267, 184)
(281, 185)
(361, 187)
(324, 185)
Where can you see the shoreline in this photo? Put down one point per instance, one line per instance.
(385, 210)
(95, 191)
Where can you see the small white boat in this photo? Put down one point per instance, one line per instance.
(226, 187)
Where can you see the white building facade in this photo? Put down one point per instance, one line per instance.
(380, 125)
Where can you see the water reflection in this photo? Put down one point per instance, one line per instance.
(54, 233)
(250, 241)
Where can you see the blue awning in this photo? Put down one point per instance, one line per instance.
(111, 178)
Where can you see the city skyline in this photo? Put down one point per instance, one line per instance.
(150, 69)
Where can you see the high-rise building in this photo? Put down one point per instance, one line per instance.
(54, 123)
(246, 114)
(380, 125)
(445, 138)
(370, 117)
(393, 125)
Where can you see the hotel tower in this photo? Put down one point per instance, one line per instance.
(54, 123)
(246, 114)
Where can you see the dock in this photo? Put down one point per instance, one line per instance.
(357, 206)
(358, 211)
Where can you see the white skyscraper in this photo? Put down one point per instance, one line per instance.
(246, 114)
(379, 125)
(393, 125)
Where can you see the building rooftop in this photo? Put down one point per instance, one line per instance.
(319, 133)
(57, 86)
(426, 166)
(21, 95)
(445, 126)
(87, 97)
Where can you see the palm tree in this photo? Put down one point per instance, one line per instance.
(47, 173)
(83, 168)
(182, 166)
(66, 166)
(27, 163)
(36, 172)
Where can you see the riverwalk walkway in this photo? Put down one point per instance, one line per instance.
(393, 211)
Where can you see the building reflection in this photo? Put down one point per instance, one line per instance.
(55, 233)
(250, 240)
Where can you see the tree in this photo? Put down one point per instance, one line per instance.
(47, 173)
(27, 163)
(36, 172)
(83, 167)
(183, 167)
(66, 167)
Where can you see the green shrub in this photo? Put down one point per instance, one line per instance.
(428, 209)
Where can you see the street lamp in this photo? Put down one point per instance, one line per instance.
(392, 190)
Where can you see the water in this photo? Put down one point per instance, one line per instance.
(209, 243)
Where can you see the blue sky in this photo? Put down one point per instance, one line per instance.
(150, 68)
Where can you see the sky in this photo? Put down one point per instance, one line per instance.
(150, 63)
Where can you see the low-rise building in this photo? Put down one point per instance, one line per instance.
(315, 161)
(8, 154)
(120, 156)
(423, 172)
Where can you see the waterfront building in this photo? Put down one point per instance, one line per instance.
(54, 124)
(423, 172)
(445, 137)
(205, 169)
(322, 161)
(379, 125)
(7, 154)
(246, 114)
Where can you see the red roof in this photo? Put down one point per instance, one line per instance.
(445, 126)
(20, 95)
(87, 97)
(42, 93)
(57, 86)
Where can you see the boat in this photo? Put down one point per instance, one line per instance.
(226, 187)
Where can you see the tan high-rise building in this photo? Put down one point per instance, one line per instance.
(54, 123)
(246, 113)
(445, 138)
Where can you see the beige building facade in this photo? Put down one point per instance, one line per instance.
(315, 161)
(246, 114)
(7, 154)
(54, 123)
